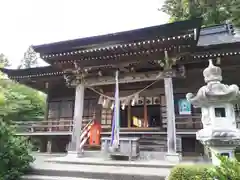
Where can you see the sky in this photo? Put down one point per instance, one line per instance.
(33, 22)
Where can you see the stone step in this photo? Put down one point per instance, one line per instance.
(154, 142)
(99, 172)
(157, 148)
(38, 177)
(106, 161)
(109, 162)
(145, 151)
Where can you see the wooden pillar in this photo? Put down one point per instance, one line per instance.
(171, 128)
(145, 113)
(74, 147)
(129, 114)
(49, 127)
(49, 145)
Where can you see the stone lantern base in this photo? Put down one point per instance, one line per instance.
(222, 142)
(223, 151)
(173, 157)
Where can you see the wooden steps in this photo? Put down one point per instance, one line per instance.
(156, 143)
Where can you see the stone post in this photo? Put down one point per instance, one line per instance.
(49, 145)
(171, 127)
(74, 146)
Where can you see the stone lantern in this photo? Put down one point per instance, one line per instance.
(217, 101)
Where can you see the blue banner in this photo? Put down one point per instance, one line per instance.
(184, 107)
(116, 116)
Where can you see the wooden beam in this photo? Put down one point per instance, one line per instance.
(111, 61)
(131, 78)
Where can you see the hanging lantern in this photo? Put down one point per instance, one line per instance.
(133, 102)
(101, 100)
(123, 106)
(112, 106)
(104, 102)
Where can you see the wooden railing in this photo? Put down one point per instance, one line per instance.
(63, 125)
(66, 125)
(186, 122)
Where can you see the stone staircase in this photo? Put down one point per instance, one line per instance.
(156, 143)
(94, 168)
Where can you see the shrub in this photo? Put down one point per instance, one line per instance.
(189, 172)
(237, 153)
(228, 169)
(15, 155)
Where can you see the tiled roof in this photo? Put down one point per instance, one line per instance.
(219, 34)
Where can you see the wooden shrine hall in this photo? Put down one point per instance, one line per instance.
(157, 66)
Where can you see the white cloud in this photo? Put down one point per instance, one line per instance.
(28, 22)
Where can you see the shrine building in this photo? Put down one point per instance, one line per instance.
(157, 67)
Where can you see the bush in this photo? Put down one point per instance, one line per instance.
(228, 170)
(190, 172)
(15, 155)
(237, 153)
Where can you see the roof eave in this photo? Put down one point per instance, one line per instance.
(120, 36)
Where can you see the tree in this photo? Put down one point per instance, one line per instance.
(14, 153)
(14, 150)
(30, 59)
(212, 11)
(235, 11)
(20, 103)
(4, 62)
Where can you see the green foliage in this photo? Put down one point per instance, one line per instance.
(4, 61)
(237, 153)
(228, 169)
(212, 11)
(189, 172)
(14, 153)
(235, 11)
(18, 102)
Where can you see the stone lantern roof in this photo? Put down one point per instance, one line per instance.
(214, 92)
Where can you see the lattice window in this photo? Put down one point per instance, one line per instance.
(89, 107)
(86, 108)
(106, 117)
(53, 110)
(66, 109)
(92, 107)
